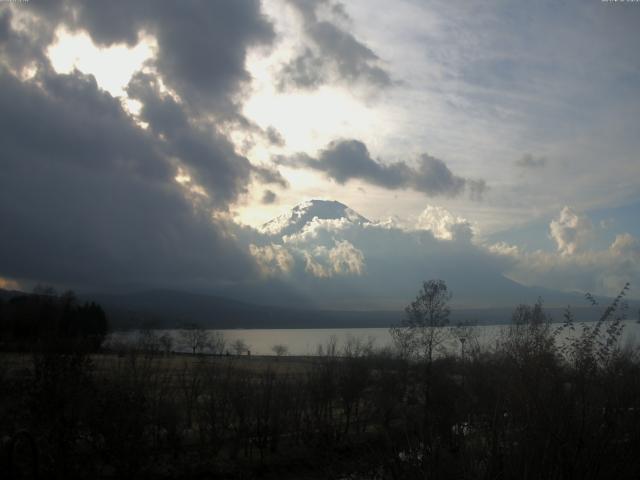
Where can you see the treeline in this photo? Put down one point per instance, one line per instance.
(45, 319)
(529, 407)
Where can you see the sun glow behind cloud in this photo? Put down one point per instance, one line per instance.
(112, 67)
(309, 121)
(9, 284)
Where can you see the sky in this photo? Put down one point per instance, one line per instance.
(495, 145)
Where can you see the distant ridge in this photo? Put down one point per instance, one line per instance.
(173, 309)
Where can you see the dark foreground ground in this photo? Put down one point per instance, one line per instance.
(526, 409)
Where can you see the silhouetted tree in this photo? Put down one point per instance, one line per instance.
(279, 350)
(529, 334)
(194, 337)
(239, 346)
(217, 343)
(166, 342)
(420, 333)
(34, 320)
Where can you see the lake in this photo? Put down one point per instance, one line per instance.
(307, 341)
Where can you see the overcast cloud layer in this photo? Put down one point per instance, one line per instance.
(244, 109)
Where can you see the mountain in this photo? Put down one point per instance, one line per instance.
(338, 259)
(327, 266)
(306, 212)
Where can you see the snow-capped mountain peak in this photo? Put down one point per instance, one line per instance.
(305, 212)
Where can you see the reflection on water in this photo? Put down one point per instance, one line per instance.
(307, 341)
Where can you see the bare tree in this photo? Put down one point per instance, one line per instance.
(280, 350)
(421, 332)
(466, 334)
(166, 342)
(330, 349)
(217, 343)
(239, 346)
(194, 337)
(148, 341)
(357, 346)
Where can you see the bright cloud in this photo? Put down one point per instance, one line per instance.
(575, 265)
(112, 66)
(442, 223)
(342, 259)
(570, 231)
(273, 259)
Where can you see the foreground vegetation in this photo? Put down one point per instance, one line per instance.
(527, 408)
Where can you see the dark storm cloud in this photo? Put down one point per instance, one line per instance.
(269, 197)
(201, 55)
(433, 177)
(353, 59)
(529, 161)
(18, 49)
(269, 175)
(87, 197)
(201, 44)
(208, 156)
(274, 137)
(346, 160)
(332, 53)
(305, 71)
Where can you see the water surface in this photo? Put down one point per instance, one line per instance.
(307, 341)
